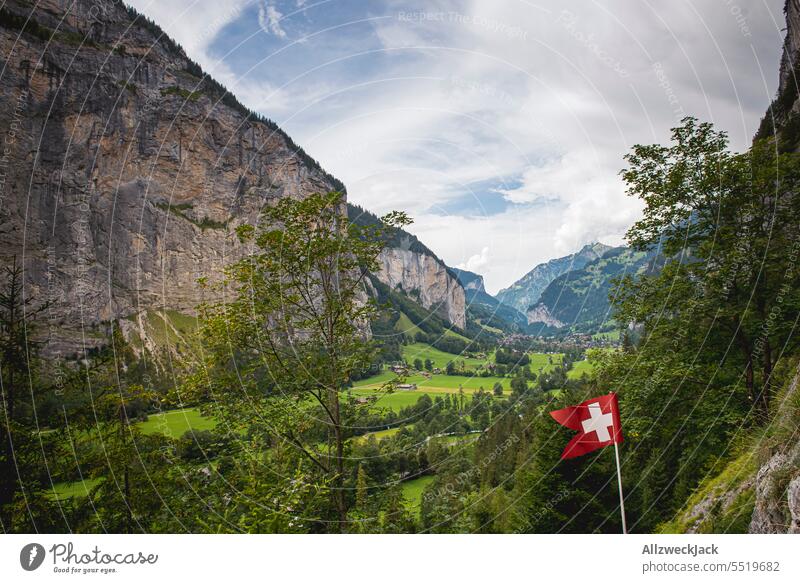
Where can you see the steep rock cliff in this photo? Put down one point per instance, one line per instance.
(408, 265)
(426, 280)
(124, 168)
(783, 114)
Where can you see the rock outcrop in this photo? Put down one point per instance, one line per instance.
(426, 280)
(125, 170)
(777, 483)
(777, 489)
(539, 314)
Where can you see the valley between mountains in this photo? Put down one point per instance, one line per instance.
(200, 333)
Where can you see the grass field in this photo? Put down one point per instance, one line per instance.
(611, 335)
(540, 362)
(451, 383)
(64, 490)
(406, 326)
(439, 384)
(394, 401)
(176, 423)
(490, 328)
(383, 433)
(454, 334)
(439, 357)
(399, 399)
(412, 492)
(579, 369)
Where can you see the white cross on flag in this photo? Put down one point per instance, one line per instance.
(596, 420)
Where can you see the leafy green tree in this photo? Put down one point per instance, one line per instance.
(728, 224)
(293, 328)
(428, 365)
(498, 389)
(362, 493)
(418, 364)
(710, 317)
(519, 386)
(395, 517)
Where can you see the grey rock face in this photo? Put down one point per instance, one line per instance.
(541, 314)
(777, 506)
(791, 53)
(124, 174)
(426, 280)
(777, 502)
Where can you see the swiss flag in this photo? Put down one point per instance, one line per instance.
(596, 420)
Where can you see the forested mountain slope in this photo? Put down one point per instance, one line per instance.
(579, 299)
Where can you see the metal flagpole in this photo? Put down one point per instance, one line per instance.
(619, 481)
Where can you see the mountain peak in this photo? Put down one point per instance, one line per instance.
(595, 247)
(525, 292)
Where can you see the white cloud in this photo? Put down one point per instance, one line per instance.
(476, 262)
(506, 93)
(556, 105)
(269, 19)
(193, 23)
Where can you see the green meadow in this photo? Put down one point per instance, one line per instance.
(176, 423)
(579, 369)
(541, 362)
(383, 433)
(412, 492)
(439, 357)
(64, 490)
(470, 384)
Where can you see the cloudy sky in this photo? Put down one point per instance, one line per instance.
(499, 126)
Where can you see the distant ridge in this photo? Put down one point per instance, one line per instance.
(526, 291)
(487, 310)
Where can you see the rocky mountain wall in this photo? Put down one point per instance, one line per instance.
(426, 280)
(124, 170)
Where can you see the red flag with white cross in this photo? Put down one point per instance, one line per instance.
(597, 423)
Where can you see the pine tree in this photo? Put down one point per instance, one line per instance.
(18, 386)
